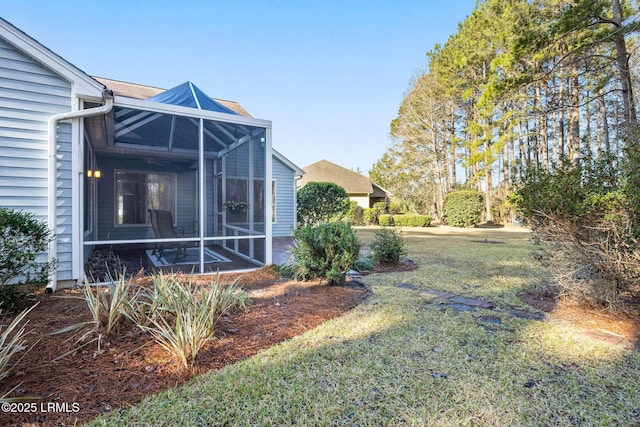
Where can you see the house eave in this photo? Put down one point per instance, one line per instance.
(84, 86)
(121, 101)
(298, 172)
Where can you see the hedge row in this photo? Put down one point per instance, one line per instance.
(405, 220)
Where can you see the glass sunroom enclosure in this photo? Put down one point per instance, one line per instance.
(169, 187)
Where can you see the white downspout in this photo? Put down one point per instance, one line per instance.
(53, 172)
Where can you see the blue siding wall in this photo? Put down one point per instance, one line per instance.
(29, 95)
(285, 196)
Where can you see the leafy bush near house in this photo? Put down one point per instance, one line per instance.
(385, 220)
(397, 208)
(412, 220)
(463, 208)
(369, 216)
(381, 208)
(354, 215)
(22, 240)
(321, 202)
(372, 215)
(326, 250)
(387, 246)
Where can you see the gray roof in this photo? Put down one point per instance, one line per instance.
(325, 171)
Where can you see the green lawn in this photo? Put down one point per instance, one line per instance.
(402, 358)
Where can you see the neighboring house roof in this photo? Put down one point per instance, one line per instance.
(325, 171)
(388, 193)
(83, 85)
(137, 91)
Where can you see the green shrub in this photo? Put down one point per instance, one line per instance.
(412, 220)
(23, 239)
(387, 246)
(326, 250)
(364, 264)
(354, 215)
(397, 208)
(369, 216)
(385, 220)
(321, 202)
(381, 208)
(463, 208)
(586, 220)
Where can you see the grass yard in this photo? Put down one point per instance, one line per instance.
(405, 357)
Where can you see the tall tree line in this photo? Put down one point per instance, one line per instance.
(521, 84)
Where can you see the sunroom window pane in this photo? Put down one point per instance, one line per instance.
(136, 192)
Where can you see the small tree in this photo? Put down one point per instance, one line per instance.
(321, 202)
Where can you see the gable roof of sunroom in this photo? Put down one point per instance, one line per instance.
(157, 122)
(145, 92)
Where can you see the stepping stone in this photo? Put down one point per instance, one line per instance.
(439, 294)
(407, 286)
(457, 307)
(472, 302)
(493, 320)
(354, 274)
(523, 314)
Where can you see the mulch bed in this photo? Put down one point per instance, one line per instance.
(621, 326)
(88, 382)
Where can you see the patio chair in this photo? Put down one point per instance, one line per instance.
(162, 225)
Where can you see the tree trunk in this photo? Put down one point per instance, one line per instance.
(452, 156)
(604, 127)
(574, 118)
(622, 60)
(561, 131)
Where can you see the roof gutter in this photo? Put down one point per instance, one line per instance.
(53, 173)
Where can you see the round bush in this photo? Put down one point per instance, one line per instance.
(463, 208)
(326, 250)
(321, 202)
(387, 246)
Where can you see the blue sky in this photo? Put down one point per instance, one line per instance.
(330, 75)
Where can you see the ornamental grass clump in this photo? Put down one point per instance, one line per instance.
(110, 305)
(12, 342)
(182, 316)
